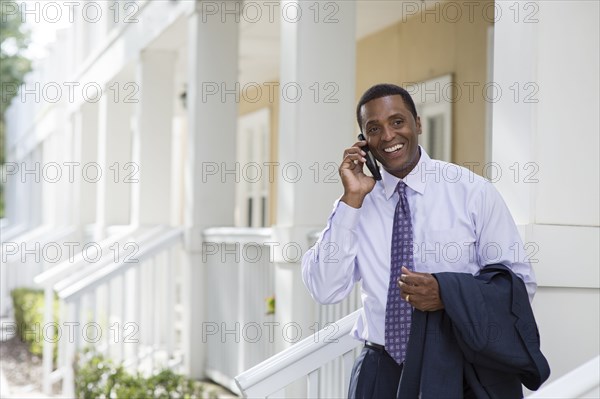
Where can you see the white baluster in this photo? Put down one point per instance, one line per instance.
(48, 343)
(170, 297)
(73, 316)
(123, 318)
(155, 307)
(91, 307)
(243, 295)
(107, 302)
(313, 384)
(137, 312)
(63, 341)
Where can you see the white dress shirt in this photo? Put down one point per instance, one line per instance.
(460, 224)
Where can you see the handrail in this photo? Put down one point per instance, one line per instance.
(43, 233)
(27, 235)
(237, 234)
(269, 377)
(102, 275)
(108, 258)
(574, 384)
(10, 231)
(65, 268)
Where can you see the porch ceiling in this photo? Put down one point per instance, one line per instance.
(259, 41)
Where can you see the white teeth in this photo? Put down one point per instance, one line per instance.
(394, 148)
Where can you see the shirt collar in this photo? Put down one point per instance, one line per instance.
(413, 180)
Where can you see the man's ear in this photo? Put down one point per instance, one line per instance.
(418, 122)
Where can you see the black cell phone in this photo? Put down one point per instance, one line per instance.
(371, 161)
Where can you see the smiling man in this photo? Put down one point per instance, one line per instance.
(394, 235)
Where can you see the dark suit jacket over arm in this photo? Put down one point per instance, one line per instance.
(486, 336)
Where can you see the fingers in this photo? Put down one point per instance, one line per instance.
(354, 150)
(420, 290)
(414, 278)
(353, 156)
(414, 283)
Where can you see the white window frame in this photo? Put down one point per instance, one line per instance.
(434, 97)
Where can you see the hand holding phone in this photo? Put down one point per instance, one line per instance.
(371, 161)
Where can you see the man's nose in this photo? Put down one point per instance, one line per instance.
(388, 133)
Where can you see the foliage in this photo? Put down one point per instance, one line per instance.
(98, 377)
(14, 38)
(28, 307)
(270, 302)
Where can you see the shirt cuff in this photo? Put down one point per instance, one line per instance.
(345, 216)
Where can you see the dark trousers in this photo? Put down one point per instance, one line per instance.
(374, 375)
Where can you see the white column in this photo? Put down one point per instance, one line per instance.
(549, 135)
(50, 195)
(212, 60)
(114, 157)
(33, 187)
(318, 50)
(86, 169)
(151, 157)
(71, 150)
(80, 34)
(513, 121)
(12, 189)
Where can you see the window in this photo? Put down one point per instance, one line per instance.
(252, 192)
(433, 100)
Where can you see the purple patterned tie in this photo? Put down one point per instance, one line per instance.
(398, 312)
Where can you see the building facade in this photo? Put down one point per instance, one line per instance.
(169, 162)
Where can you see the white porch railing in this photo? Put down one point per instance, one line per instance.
(308, 357)
(328, 315)
(240, 276)
(583, 382)
(133, 300)
(304, 359)
(70, 270)
(28, 254)
(10, 231)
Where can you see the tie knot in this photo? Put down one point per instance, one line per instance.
(401, 188)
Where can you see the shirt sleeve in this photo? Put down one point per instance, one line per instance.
(329, 268)
(499, 240)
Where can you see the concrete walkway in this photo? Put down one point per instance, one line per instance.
(4, 389)
(7, 390)
(18, 392)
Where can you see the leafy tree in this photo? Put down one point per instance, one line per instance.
(14, 39)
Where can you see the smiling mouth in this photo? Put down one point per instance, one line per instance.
(392, 149)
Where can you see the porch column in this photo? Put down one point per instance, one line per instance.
(316, 122)
(151, 147)
(87, 174)
(545, 142)
(212, 119)
(113, 199)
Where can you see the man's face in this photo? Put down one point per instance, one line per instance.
(392, 134)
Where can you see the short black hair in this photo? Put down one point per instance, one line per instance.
(384, 90)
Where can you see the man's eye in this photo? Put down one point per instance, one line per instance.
(373, 130)
(398, 122)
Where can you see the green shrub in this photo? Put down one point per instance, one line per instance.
(28, 305)
(98, 377)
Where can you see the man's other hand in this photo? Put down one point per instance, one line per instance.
(421, 290)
